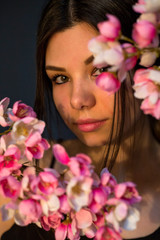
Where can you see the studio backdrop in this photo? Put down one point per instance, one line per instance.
(18, 27)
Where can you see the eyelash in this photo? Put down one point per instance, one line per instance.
(103, 69)
(55, 78)
(66, 79)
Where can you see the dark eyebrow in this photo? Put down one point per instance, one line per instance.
(54, 68)
(89, 60)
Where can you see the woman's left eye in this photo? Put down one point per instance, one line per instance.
(97, 71)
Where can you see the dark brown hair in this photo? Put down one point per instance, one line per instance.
(60, 15)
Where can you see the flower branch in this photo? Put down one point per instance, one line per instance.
(75, 203)
(79, 202)
(121, 54)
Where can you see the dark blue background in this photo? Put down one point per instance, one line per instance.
(18, 26)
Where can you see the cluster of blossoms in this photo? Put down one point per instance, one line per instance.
(74, 203)
(78, 202)
(119, 54)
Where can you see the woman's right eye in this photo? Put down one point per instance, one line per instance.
(59, 79)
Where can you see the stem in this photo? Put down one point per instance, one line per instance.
(157, 68)
(67, 220)
(7, 131)
(152, 49)
(127, 39)
(141, 51)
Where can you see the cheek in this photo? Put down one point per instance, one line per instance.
(61, 103)
(107, 103)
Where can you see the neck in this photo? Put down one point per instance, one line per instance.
(139, 155)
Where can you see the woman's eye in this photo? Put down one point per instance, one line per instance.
(59, 79)
(98, 71)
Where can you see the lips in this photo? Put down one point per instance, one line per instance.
(89, 125)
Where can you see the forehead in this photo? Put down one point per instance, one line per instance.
(71, 42)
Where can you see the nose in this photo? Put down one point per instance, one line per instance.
(82, 94)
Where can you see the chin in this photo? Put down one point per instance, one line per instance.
(93, 142)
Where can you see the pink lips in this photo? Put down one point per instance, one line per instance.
(89, 125)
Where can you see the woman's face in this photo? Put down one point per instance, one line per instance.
(85, 108)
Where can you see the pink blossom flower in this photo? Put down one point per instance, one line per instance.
(49, 204)
(146, 87)
(98, 48)
(143, 33)
(146, 84)
(106, 54)
(61, 232)
(34, 136)
(100, 220)
(130, 222)
(64, 205)
(80, 165)
(7, 167)
(5, 141)
(127, 192)
(4, 119)
(95, 206)
(44, 144)
(111, 28)
(79, 192)
(150, 17)
(53, 171)
(83, 220)
(10, 187)
(114, 55)
(150, 108)
(37, 150)
(27, 130)
(28, 182)
(147, 59)
(73, 235)
(122, 215)
(52, 221)
(117, 214)
(140, 6)
(100, 195)
(29, 211)
(41, 188)
(65, 230)
(107, 179)
(12, 153)
(97, 45)
(130, 61)
(152, 5)
(9, 161)
(21, 110)
(147, 6)
(47, 182)
(61, 154)
(106, 232)
(108, 82)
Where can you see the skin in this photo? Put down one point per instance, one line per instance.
(78, 97)
(5, 225)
